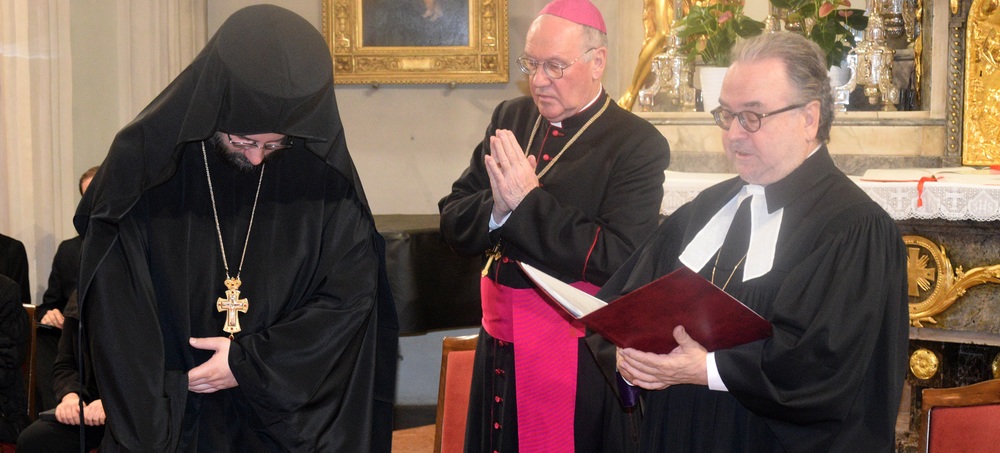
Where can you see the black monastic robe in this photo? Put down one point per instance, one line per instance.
(316, 358)
(595, 205)
(830, 379)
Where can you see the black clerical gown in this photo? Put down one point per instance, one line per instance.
(595, 205)
(831, 377)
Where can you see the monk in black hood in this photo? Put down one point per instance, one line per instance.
(232, 282)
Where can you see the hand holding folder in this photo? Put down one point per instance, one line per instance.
(644, 319)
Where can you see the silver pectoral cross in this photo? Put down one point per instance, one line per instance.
(231, 305)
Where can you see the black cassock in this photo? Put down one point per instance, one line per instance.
(596, 204)
(831, 377)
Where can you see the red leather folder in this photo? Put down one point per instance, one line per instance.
(644, 319)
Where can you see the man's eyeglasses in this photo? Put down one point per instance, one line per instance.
(243, 143)
(748, 119)
(552, 69)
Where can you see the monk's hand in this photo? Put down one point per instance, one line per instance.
(512, 174)
(68, 410)
(93, 413)
(684, 365)
(214, 374)
(53, 318)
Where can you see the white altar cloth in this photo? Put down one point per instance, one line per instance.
(941, 200)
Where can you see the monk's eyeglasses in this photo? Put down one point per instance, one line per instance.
(552, 69)
(748, 119)
(244, 143)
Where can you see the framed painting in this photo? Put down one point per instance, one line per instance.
(417, 41)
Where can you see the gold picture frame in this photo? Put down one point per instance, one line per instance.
(394, 42)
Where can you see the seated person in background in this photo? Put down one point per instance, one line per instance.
(14, 328)
(62, 283)
(14, 265)
(62, 434)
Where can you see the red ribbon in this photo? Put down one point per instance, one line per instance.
(920, 189)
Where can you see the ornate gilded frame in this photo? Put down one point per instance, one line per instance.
(484, 60)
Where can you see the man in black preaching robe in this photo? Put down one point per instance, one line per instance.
(567, 181)
(239, 172)
(799, 243)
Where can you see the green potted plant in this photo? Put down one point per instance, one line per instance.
(828, 23)
(709, 32)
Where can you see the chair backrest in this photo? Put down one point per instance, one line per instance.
(28, 367)
(457, 355)
(961, 419)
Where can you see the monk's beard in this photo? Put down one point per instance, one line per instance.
(236, 160)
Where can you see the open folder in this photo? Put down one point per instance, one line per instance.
(644, 319)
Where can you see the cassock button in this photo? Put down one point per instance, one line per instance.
(496, 426)
(505, 260)
(497, 399)
(546, 157)
(556, 133)
(498, 371)
(501, 343)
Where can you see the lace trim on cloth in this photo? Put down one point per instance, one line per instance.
(940, 200)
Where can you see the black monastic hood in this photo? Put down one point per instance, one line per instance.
(267, 70)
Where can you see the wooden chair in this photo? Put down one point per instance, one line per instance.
(28, 367)
(457, 354)
(961, 419)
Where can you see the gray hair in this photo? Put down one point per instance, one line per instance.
(805, 65)
(593, 39)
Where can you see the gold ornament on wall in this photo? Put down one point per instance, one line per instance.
(982, 85)
(933, 285)
(924, 364)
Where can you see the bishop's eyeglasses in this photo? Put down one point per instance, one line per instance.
(750, 120)
(552, 69)
(245, 143)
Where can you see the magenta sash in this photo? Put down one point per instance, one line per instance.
(545, 342)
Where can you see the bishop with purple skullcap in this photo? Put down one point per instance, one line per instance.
(579, 11)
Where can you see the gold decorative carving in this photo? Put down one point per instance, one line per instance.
(933, 285)
(982, 85)
(658, 17)
(924, 364)
(996, 367)
(483, 60)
